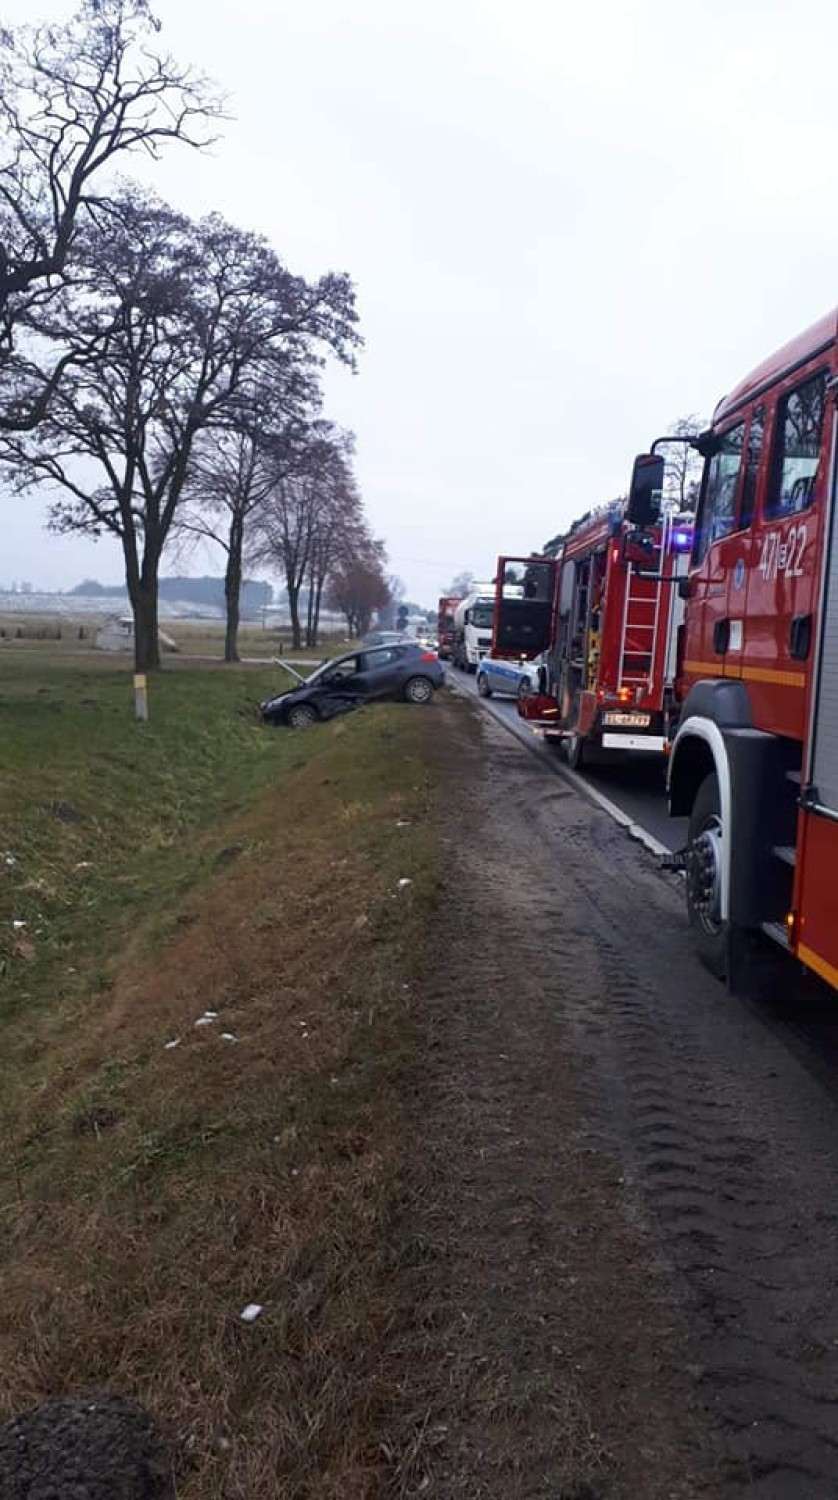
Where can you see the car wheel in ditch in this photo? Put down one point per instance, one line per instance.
(302, 716)
(418, 690)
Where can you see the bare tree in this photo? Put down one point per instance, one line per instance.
(387, 612)
(229, 479)
(305, 514)
(359, 586)
(176, 325)
(683, 463)
(74, 101)
(460, 586)
(337, 517)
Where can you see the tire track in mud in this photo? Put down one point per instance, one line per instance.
(728, 1145)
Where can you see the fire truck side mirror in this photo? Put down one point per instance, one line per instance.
(684, 589)
(646, 492)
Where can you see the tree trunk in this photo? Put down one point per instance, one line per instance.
(146, 634)
(294, 612)
(318, 600)
(310, 637)
(232, 589)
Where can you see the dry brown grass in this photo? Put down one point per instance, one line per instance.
(149, 1194)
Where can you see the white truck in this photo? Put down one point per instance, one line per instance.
(473, 627)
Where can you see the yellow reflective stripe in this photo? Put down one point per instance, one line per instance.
(820, 965)
(768, 674)
(752, 674)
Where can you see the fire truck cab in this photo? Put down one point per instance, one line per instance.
(607, 633)
(754, 764)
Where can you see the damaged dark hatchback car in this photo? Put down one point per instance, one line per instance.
(404, 672)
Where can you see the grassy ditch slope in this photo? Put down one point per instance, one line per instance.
(157, 1174)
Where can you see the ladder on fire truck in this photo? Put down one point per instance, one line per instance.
(640, 676)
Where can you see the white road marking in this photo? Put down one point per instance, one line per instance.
(528, 739)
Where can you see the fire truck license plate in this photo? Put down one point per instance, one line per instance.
(627, 721)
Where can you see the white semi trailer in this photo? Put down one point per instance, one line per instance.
(473, 627)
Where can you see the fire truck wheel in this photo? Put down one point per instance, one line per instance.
(704, 878)
(573, 749)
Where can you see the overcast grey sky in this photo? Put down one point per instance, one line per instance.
(567, 225)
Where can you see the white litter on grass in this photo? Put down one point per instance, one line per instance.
(404, 881)
(404, 823)
(84, 864)
(10, 859)
(167, 1046)
(250, 1313)
(17, 923)
(227, 1036)
(207, 1018)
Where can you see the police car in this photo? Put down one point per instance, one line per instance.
(514, 679)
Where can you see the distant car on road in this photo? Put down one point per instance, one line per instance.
(402, 672)
(384, 638)
(512, 678)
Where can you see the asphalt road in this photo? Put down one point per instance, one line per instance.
(636, 789)
(717, 1117)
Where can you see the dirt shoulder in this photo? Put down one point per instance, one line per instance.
(553, 1356)
(628, 1215)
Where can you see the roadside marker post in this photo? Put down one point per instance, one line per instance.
(141, 696)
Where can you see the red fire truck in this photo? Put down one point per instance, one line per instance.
(754, 764)
(445, 626)
(608, 633)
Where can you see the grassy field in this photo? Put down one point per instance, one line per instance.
(49, 635)
(156, 1174)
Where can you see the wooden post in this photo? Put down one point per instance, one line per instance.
(141, 696)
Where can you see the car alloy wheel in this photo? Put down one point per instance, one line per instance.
(418, 690)
(302, 716)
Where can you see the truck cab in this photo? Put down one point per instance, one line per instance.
(753, 764)
(473, 620)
